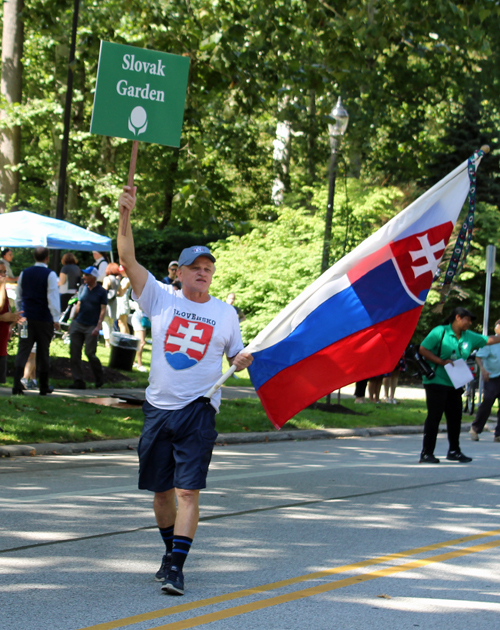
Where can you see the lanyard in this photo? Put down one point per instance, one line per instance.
(464, 239)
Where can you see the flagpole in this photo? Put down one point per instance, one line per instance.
(220, 382)
(130, 182)
(225, 376)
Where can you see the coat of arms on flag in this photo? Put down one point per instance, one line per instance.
(417, 258)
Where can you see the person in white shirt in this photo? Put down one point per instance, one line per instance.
(488, 360)
(191, 330)
(101, 264)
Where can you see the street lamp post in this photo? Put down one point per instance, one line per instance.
(336, 130)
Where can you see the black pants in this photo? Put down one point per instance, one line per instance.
(79, 336)
(442, 399)
(490, 394)
(40, 333)
(360, 390)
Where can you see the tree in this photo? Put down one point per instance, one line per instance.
(11, 94)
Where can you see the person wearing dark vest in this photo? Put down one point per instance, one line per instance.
(90, 312)
(38, 297)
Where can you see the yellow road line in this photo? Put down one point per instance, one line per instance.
(164, 612)
(322, 588)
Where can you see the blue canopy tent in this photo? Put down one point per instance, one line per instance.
(28, 229)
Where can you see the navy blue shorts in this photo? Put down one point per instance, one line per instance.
(176, 446)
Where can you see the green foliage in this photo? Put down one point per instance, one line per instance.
(268, 267)
(419, 79)
(156, 248)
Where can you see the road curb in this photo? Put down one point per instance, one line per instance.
(106, 446)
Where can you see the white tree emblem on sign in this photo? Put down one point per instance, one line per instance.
(138, 121)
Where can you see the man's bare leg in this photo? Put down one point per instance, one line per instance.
(185, 526)
(188, 513)
(164, 507)
(165, 512)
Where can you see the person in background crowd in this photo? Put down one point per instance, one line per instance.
(111, 284)
(374, 387)
(443, 345)
(101, 264)
(360, 391)
(488, 360)
(138, 321)
(90, 311)
(6, 257)
(29, 377)
(230, 300)
(391, 381)
(69, 279)
(123, 302)
(171, 278)
(7, 320)
(38, 298)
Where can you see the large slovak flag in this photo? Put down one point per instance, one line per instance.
(356, 320)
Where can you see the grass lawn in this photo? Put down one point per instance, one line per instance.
(45, 419)
(138, 380)
(248, 415)
(50, 419)
(30, 419)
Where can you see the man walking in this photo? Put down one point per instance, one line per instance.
(488, 360)
(84, 329)
(191, 331)
(38, 297)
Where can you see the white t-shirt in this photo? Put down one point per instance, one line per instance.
(101, 265)
(189, 340)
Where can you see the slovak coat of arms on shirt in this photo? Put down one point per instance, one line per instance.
(186, 342)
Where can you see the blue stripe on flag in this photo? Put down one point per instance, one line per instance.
(373, 298)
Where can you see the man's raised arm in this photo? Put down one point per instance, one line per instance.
(137, 274)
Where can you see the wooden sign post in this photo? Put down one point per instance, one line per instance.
(140, 95)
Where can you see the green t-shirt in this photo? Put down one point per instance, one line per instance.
(450, 345)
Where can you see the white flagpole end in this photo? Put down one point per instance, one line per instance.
(220, 382)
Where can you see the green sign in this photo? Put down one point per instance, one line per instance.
(140, 94)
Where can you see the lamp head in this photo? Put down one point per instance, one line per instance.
(341, 117)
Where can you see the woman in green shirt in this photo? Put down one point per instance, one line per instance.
(444, 344)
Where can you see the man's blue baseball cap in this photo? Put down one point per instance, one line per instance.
(190, 254)
(91, 271)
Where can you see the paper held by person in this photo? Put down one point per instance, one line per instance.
(459, 372)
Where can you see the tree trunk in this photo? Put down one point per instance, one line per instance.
(169, 190)
(281, 157)
(312, 133)
(11, 90)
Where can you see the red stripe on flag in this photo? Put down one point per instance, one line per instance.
(367, 353)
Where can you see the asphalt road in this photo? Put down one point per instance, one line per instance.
(349, 533)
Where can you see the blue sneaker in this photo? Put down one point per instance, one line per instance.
(161, 574)
(174, 582)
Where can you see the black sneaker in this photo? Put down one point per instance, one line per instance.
(78, 385)
(49, 390)
(458, 456)
(18, 391)
(161, 574)
(174, 582)
(428, 459)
